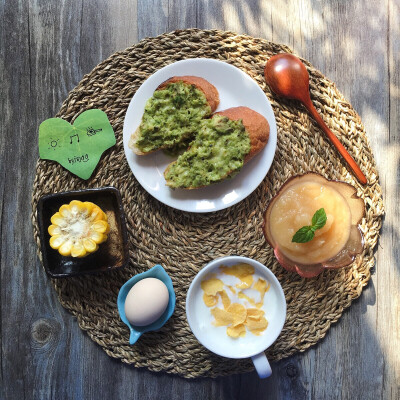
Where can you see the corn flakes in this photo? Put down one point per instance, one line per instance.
(238, 312)
(226, 301)
(212, 286)
(236, 331)
(210, 300)
(222, 317)
(235, 316)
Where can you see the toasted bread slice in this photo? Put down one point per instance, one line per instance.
(212, 100)
(132, 144)
(256, 130)
(256, 126)
(202, 84)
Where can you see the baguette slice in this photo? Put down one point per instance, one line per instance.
(256, 128)
(209, 90)
(212, 99)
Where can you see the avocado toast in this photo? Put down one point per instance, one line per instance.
(223, 144)
(173, 114)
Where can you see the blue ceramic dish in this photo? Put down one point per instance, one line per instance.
(136, 331)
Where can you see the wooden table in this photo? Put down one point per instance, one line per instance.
(46, 47)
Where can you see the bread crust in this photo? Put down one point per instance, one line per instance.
(206, 87)
(132, 143)
(202, 84)
(257, 127)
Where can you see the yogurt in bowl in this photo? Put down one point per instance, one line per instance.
(237, 331)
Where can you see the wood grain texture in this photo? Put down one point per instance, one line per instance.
(45, 49)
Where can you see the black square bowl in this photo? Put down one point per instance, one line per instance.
(112, 254)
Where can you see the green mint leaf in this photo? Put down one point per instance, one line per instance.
(303, 235)
(319, 219)
(306, 233)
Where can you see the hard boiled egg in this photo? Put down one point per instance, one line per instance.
(146, 301)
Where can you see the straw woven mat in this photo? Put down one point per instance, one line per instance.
(183, 242)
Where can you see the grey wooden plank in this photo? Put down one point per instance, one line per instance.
(341, 51)
(388, 147)
(257, 19)
(182, 14)
(361, 73)
(31, 318)
(344, 52)
(158, 16)
(152, 17)
(30, 311)
(104, 28)
(16, 258)
(48, 47)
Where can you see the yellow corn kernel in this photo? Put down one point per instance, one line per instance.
(75, 205)
(65, 211)
(78, 250)
(56, 241)
(100, 226)
(89, 206)
(97, 214)
(90, 245)
(54, 230)
(105, 237)
(96, 237)
(65, 248)
(57, 219)
(78, 228)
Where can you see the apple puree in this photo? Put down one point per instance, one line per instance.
(295, 208)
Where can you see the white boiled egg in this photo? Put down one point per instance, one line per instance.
(146, 301)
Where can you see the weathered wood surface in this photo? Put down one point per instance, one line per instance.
(45, 49)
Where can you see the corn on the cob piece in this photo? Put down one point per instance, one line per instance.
(78, 228)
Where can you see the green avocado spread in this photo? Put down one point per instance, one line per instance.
(217, 152)
(172, 115)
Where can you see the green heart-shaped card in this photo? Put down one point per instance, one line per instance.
(76, 147)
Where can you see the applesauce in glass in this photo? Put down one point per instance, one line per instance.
(334, 244)
(295, 209)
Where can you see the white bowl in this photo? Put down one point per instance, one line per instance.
(215, 339)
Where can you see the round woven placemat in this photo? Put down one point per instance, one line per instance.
(183, 242)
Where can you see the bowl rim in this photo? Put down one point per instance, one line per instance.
(267, 273)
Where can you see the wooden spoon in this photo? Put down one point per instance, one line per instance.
(288, 77)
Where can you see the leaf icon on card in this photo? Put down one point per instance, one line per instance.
(76, 147)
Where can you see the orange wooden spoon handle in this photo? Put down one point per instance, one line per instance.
(335, 141)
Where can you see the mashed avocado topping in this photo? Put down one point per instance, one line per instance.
(218, 151)
(179, 148)
(171, 115)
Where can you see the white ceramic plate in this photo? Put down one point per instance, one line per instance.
(235, 89)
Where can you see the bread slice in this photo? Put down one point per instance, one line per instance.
(132, 144)
(256, 128)
(212, 99)
(202, 84)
